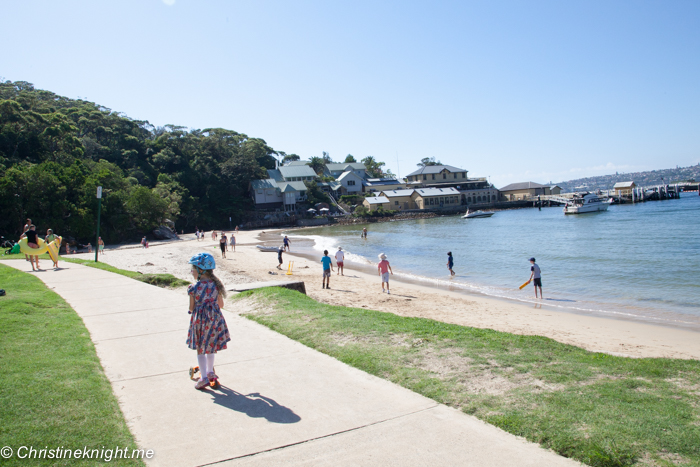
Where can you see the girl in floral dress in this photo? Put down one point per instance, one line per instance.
(208, 332)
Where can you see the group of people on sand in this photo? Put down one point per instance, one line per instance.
(225, 243)
(383, 268)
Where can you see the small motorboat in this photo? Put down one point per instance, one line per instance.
(586, 202)
(270, 249)
(475, 214)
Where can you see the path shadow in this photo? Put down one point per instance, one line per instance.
(404, 296)
(254, 405)
(560, 300)
(341, 290)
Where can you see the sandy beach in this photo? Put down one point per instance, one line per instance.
(360, 289)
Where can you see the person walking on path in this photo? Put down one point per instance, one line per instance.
(222, 244)
(536, 276)
(32, 242)
(327, 269)
(144, 242)
(384, 268)
(287, 242)
(280, 250)
(208, 332)
(101, 245)
(24, 231)
(50, 237)
(339, 257)
(233, 242)
(450, 263)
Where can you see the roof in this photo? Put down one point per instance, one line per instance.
(297, 171)
(348, 174)
(397, 193)
(276, 175)
(263, 184)
(344, 166)
(554, 186)
(383, 181)
(436, 191)
(521, 186)
(624, 185)
(293, 163)
(435, 169)
(288, 187)
(377, 199)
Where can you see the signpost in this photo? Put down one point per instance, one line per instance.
(99, 210)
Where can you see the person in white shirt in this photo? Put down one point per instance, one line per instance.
(339, 257)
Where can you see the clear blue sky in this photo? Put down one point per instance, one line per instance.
(514, 90)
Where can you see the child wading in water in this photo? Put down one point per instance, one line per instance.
(208, 332)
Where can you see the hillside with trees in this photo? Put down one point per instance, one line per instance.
(648, 178)
(55, 151)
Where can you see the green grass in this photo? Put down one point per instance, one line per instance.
(53, 391)
(599, 409)
(161, 280)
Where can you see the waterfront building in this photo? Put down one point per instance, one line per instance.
(436, 174)
(375, 202)
(371, 185)
(524, 191)
(430, 198)
(400, 199)
(624, 188)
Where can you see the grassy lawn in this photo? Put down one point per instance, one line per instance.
(161, 280)
(593, 407)
(53, 391)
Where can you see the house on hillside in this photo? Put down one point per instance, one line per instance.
(431, 198)
(351, 182)
(283, 188)
(524, 191)
(371, 185)
(336, 170)
(297, 173)
(375, 202)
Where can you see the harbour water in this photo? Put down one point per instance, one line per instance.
(638, 261)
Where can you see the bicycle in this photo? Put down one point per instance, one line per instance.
(7, 244)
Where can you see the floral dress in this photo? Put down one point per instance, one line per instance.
(208, 332)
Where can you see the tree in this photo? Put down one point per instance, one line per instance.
(426, 161)
(349, 159)
(290, 158)
(327, 158)
(317, 164)
(373, 168)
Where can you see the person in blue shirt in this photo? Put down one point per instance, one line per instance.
(327, 269)
(450, 262)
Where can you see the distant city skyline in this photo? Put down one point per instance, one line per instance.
(515, 91)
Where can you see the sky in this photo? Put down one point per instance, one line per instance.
(512, 90)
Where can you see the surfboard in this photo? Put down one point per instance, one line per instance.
(521, 287)
(53, 248)
(24, 248)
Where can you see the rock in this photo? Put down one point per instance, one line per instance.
(164, 233)
(148, 264)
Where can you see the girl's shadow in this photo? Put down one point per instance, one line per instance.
(254, 405)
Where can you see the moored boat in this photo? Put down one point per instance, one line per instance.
(475, 214)
(586, 202)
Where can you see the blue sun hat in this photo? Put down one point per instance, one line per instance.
(203, 261)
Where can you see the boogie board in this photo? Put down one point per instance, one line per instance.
(27, 250)
(521, 287)
(53, 249)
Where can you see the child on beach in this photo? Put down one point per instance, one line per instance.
(222, 243)
(327, 264)
(208, 332)
(535, 274)
(450, 263)
(287, 242)
(339, 257)
(233, 242)
(280, 250)
(384, 268)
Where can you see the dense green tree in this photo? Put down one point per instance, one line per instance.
(426, 161)
(287, 158)
(349, 159)
(373, 168)
(317, 164)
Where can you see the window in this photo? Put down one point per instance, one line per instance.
(396, 203)
(478, 198)
(351, 182)
(464, 175)
(444, 176)
(425, 177)
(430, 201)
(260, 192)
(433, 176)
(455, 175)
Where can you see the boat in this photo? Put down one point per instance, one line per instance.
(271, 249)
(586, 202)
(475, 214)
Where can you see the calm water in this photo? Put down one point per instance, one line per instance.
(637, 261)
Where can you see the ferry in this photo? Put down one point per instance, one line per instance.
(586, 202)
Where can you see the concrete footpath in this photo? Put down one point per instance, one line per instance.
(280, 403)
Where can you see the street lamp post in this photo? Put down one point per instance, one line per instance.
(99, 210)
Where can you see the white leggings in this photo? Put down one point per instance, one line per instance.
(206, 364)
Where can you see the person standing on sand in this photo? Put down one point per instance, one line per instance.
(384, 268)
(208, 332)
(450, 263)
(327, 269)
(339, 257)
(233, 242)
(535, 274)
(287, 242)
(279, 256)
(101, 245)
(222, 244)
